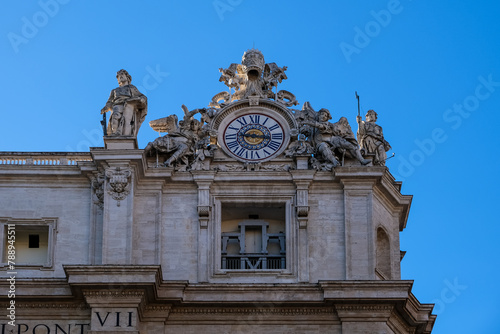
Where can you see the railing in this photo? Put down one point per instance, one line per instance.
(43, 158)
(253, 261)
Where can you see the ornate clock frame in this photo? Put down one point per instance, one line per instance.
(253, 133)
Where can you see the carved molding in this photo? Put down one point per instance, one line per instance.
(157, 308)
(231, 168)
(260, 310)
(79, 306)
(113, 293)
(277, 168)
(364, 307)
(254, 167)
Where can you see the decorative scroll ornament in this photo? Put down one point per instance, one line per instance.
(118, 185)
(98, 189)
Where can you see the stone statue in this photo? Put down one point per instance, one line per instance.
(232, 76)
(331, 139)
(253, 78)
(182, 140)
(128, 107)
(298, 145)
(371, 138)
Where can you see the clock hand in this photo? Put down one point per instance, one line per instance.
(253, 135)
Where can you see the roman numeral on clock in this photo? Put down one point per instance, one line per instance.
(254, 155)
(274, 127)
(274, 145)
(242, 121)
(254, 119)
(232, 144)
(277, 136)
(242, 151)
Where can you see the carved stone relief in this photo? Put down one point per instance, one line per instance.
(118, 182)
(189, 144)
(97, 183)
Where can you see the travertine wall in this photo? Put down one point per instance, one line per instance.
(149, 262)
(67, 200)
(256, 328)
(326, 234)
(389, 221)
(179, 234)
(165, 225)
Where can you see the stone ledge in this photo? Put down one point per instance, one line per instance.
(120, 143)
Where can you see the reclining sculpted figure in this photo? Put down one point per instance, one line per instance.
(328, 138)
(181, 139)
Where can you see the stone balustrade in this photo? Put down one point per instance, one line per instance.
(43, 158)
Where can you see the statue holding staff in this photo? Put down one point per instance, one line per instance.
(128, 107)
(371, 138)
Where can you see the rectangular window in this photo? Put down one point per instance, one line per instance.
(253, 237)
(33, 240)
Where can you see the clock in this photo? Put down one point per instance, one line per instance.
(254, 137)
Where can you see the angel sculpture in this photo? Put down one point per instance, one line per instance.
(181, 139)
(273, 74)
(231, 76)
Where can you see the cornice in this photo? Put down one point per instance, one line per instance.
(51, 305)
(260, 309)
(370, 308)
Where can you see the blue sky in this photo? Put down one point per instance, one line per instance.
(431, 69)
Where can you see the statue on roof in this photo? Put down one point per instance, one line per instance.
(183, 140)
(371, 138)
(331, 141)
(128, 107)
(253, 78)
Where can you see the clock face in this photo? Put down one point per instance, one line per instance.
(254, 137)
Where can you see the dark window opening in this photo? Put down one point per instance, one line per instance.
(34, 241)
(253, 237)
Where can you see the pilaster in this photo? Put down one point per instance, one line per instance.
(302, 180)
(120, 163)
(359, 230)
(364, 318)
(204, 180)
(115, 294)
(114, 311)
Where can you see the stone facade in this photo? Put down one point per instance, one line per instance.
(283, 243)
